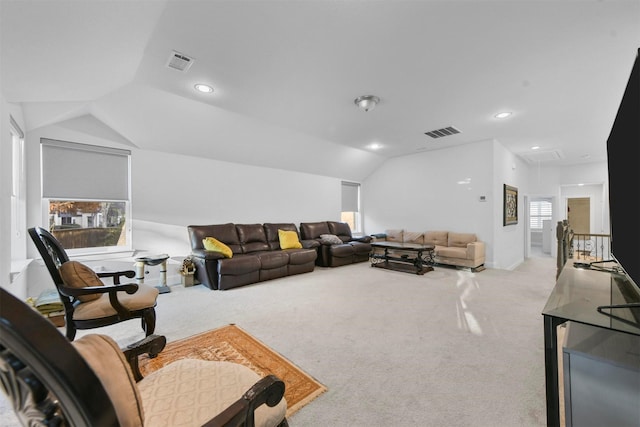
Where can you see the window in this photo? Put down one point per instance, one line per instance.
(86, 190)
(351, 206)
(539, 210)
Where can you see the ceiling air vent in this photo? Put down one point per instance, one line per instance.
(179, 62)
(542, 156)
(439, 133)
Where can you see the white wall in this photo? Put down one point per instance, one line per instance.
(563, 182)
(435, 190)
(509, 240)
(171, 191)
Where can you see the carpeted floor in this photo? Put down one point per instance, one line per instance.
(232, 344)
(450, 348)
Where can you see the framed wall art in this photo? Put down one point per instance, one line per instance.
(510, 205)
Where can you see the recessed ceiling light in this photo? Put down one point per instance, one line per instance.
(535, 147)
(503, 115)
(200, 87)
(375, 146)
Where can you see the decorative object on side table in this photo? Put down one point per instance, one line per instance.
(187, 271)
(510, 205)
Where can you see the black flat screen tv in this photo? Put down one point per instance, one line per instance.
(623, 158)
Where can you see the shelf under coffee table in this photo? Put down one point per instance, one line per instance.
(407, 257)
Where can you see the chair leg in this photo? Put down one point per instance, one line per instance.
(71, 331)
(149, 321)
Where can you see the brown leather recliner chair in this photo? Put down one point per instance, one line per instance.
(336, 252)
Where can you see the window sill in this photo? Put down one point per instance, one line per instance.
(18, 266)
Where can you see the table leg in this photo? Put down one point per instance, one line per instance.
(163, 273)
(139, 272)
(551, 369)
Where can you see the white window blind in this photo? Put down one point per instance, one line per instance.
(350, 196)
(539, 210)
(80, 171)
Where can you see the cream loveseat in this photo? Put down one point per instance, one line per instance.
(456, 249)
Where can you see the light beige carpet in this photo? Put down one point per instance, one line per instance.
(232, 344)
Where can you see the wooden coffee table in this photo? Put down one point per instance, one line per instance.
(408, 257)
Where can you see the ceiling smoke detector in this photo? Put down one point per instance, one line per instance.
(179, 61)
(439, 133)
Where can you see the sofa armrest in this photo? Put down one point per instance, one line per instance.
(310, 243)
(475, 250)
(379, 237)
(206, 255)
(363, 239)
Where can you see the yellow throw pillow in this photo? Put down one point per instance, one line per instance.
(215, 245)
(289, 240)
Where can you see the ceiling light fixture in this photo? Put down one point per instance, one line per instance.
(375, 146)
(200, 87)
(503, 115)
(367, 102)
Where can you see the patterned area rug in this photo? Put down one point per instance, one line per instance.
(232, 344)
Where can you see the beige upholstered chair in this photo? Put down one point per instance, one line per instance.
(92, 382)
(88, 303)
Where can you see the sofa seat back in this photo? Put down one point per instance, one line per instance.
(271, 233)
(436, 238)
(340, 229)
(225, 233)
(252, 238)
(313, 230)
(460, 240)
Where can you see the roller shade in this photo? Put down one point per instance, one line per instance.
(350, 196)
(80, 171)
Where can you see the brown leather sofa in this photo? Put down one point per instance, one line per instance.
(257, 255)
(349, 251)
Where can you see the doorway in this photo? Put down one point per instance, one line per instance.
(579, 214)
(541, 229)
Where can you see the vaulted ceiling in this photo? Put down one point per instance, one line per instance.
(285, 74)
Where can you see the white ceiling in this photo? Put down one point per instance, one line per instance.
(285, 75)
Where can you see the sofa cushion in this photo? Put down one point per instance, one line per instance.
(394, 235)
(225, 233)
(252, 238)
(273, 259)
(330, 239)
(340, 229)
(289, 239)
(238, 265)
(451, 252)
(214, 245)
(413, 237)
(341, 251)
(77, 275)
(436, 238)
(460, 240)
(271, 231)
(313, 230)
(302, 256)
